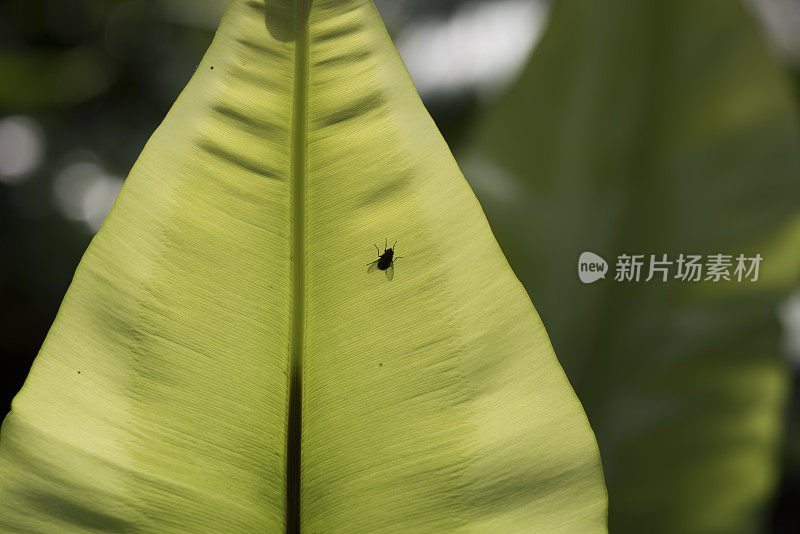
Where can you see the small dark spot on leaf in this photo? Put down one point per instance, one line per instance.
(380, 365)
(79, 372)
(212, 67)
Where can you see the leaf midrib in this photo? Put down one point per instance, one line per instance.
(298, 283)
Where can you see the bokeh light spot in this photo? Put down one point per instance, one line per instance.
(85, 192)
(789, 315)
(21, 148)
(482, 47)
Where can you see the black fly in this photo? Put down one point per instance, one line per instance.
(385, 261)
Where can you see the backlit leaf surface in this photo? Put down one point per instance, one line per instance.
(222, 341)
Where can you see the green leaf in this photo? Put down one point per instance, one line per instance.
(656, 128)
(223, 362)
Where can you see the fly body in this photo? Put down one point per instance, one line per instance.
(385, 261)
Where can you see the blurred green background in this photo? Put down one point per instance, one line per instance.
(607, 126)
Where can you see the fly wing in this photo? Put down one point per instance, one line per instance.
(390, 272)
(373, 266)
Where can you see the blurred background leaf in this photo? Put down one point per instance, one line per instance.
(653, 128)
